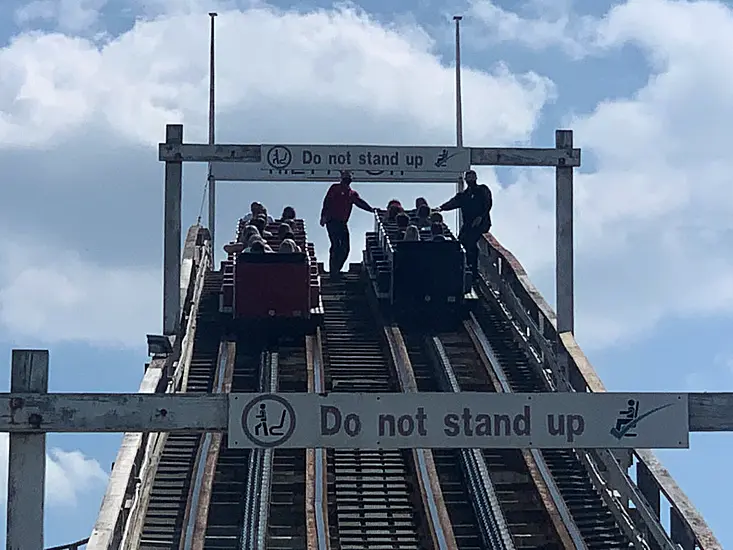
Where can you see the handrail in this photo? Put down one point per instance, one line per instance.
(133, 457)
(71, 546)
(537, 322)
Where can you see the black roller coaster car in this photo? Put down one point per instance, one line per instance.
(427, 275)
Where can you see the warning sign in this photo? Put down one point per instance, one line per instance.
(459, 420)
(365, 157)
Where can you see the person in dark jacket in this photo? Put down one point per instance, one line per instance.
(337, 206)
(475, 203)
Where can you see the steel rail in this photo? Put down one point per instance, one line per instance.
(494, 366)
(316, 478)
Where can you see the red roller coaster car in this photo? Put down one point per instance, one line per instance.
(272, 285)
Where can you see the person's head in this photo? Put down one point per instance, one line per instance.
(471, 178)
(394, 202)
(254, 237)
(288, 213)
(289, 235)
(423, 211)
(412, 233)
(345, 177)
(260, 224)
(436, 217)
(257, 246)
(436, 228)
(248, 232)
(287, 246)
(403, 220)
(393, 211)
(420, 201)
(283, 230)
(255, 208)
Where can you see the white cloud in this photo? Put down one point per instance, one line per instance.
(320, 76)
(51, 294)
(70, 15)
(653, 236)
(546, 23)
(69, 475)
(307, 64)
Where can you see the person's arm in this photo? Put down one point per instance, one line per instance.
(452, 204)
(361, 203)
(326, 201)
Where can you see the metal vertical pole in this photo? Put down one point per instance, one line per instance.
(459, 105)
(172, 235)
(564, 278)
(27, 460)
(212, 181)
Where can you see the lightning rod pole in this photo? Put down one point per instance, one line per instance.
(211, 180)
(459, 105)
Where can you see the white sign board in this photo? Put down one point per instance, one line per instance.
(236, 171)
(365, 157)
(459, 420)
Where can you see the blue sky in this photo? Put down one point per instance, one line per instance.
(89, 85)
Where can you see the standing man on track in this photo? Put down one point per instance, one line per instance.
(337, 206)
(475, 203)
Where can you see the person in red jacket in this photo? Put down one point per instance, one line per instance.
(337, 206)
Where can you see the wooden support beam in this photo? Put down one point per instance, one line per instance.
(134, 412)
(27, 460)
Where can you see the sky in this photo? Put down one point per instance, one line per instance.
(88, 86)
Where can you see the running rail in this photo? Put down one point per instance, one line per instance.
(203, 474)
(535, 322)
(137, 457)
(431, 494)
(316, 497)
(441, 530)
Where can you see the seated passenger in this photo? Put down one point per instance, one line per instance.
(403, 220)
(264, 214)
(436, 232)
(257, 209)
(288, 213)
(420, 201)
(253, 238)
(283, 230)
(412, 233)
(288, 246)
(247, 234)
(393, 209)
(258, 246)
(260, 222)
(423, 216)
(254, 209)
(436, 217)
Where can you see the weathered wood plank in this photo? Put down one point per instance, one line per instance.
(486, 156)
(711, 412)
(111, 413)
(199, 152)
(134, 412)
(524, 156)
(27, 458)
